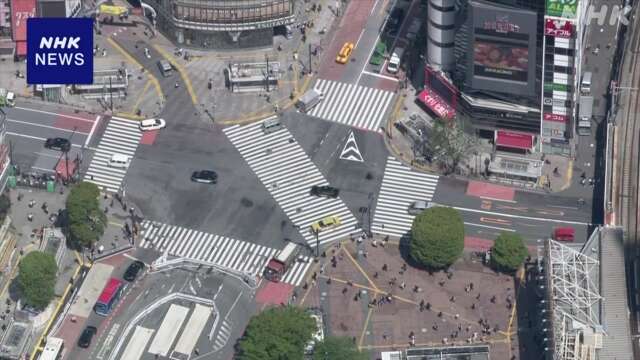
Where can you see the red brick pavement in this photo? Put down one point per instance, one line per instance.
(389, 325)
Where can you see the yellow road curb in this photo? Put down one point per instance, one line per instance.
(131, 59)
(260, 116)
(567, 180)
(181, 71)
(129, 115)
(141, 96)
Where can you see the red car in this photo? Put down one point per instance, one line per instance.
(564, 234)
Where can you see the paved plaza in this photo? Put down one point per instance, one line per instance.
(468, 305)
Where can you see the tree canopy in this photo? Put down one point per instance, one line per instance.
(37, 278)
(277, 333)
(449, 144)
(508, 252)
(338, 348)
(87, 220)
(437, 237)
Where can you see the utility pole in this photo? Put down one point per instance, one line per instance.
(310, 71)
(267, 72)
(111, 93)
(317, 243)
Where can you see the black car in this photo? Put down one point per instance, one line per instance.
(394, 22)
(85, 338)
(205, 176)
(326, 191)
(133, 270)
(61, 144)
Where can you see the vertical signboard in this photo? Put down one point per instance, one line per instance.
(562, 8)
(21, 10)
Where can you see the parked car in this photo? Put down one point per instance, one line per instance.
(325, 191)
(326, 223)
(345, 52)
(58, 143)
(152, 124)
(205, 176)
(85, 338)
(132, 271)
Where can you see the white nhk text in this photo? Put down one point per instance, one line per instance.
(55, 58)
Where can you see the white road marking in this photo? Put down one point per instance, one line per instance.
(93, 128)
(36, 138)
(521, 217)
(489, 227)
(44, 126)
(52, 113)
(350, 150)
(380, 75)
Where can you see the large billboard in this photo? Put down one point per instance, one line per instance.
(502, 54)
(500, 60)
(21, 10)
(562, 8)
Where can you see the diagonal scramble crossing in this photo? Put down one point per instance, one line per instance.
(288, 174)
(222, 251)
(353, 105)
(401, 186)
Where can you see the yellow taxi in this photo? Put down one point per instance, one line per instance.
(328, 222)
(345, 52)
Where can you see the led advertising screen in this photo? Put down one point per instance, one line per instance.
(502, 53)
(500, 60)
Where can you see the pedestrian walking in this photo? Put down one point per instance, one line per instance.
(385, 267)
(375, 275)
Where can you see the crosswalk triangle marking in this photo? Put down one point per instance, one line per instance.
(350, 150)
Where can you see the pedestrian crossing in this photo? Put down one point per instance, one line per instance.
(241, 256)
(353, 105)
(121, 136)
(223, 335)
(401, 186)
(288, 174)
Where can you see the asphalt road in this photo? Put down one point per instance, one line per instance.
(29, 125)
(233, 307)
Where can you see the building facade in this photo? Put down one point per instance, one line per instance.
(222, 24)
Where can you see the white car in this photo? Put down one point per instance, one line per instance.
(152, 124)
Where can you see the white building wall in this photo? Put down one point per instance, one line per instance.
(440, 42)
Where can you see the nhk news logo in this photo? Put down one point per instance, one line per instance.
(59, 51)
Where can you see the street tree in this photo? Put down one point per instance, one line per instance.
(37, 278)
(338, 348)
(437, 237)
(448, 144)
(508, 252)
(276, 333)
(87, 220)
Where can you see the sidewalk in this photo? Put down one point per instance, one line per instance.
(400, 146)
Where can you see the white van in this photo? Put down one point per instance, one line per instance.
(394, 63)
(310, 99)
(585, 85)
(271, 125)
(119, 161)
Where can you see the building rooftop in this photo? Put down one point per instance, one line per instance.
(613, 284)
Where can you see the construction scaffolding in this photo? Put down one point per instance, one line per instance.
(573, 301)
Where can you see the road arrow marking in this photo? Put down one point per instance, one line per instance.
(350, 150)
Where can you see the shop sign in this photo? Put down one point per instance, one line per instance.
(558, 28)
(562, 8)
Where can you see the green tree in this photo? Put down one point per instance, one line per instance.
(37, 278)
(278, 333)
(87, 220)
(448, 144)
(508, 252)
(437, 237)
(338, 348)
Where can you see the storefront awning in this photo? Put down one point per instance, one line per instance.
(436, 104)
(514, 140)
(21, 48)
